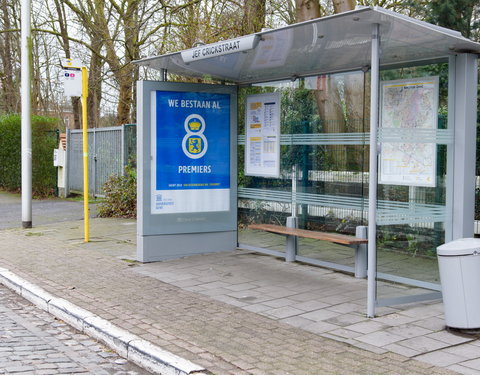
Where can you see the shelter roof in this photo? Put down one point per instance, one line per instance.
(330, 44)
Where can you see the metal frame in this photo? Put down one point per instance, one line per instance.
(372, 189)
(465, 119)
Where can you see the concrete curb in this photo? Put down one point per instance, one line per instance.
(132, 347)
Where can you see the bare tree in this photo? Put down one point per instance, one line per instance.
(9, 57)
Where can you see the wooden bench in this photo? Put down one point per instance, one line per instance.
(358, 243)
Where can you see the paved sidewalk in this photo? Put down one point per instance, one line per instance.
(210, 310)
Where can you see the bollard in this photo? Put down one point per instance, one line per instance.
(361, 253)
(292, 242)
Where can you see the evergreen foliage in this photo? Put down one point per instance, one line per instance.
(44, 141)
(453, 14)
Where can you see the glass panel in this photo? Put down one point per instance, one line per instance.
(324, 177)
(411, 217)
(323, 166)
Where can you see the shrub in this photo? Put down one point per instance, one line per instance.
(44, 140)
(120, 196)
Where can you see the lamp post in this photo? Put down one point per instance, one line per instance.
(26, 43)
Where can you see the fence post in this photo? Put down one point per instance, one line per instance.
(123, 148)
(68, 140)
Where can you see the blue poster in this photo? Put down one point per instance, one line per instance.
(191, 132)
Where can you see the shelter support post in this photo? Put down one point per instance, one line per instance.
(465, 120)
(372, 189)
(449, 181)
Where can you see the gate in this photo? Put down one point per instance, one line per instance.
(109, 149)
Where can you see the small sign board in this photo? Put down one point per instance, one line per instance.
(262, 135)
(58, 157)
(207, 51)
(72, 78)
(55, 157)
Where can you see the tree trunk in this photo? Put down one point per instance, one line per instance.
(253, 19)
(354, 101)
(354, 85)
(340, 6)
(95, 84)
(328, 97)
(307, 10)
(330, 110)
(11, 96)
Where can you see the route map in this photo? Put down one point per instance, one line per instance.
(407, 107)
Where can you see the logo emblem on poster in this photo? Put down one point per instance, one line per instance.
(194, 144)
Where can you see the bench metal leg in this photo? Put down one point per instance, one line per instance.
(292, 241)
(361, 253)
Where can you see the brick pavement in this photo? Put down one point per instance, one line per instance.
(223, 338)
(32, 342)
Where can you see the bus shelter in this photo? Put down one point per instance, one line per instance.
(362, 118)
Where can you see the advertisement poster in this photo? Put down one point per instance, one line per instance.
(262, 140)
(191, 152)
(408, 107)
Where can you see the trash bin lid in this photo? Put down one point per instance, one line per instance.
(463, 246)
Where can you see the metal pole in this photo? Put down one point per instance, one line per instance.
(85, 151)
(26, 117)
(372, 187)
(294, 190)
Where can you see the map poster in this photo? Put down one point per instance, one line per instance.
(408, 106)
(262, 138)
(191, 152)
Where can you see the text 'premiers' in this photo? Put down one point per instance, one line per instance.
(194, 169)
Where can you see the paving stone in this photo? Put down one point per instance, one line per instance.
(408, 331)
(365, 327)
(424, 344)
(439, 358)
(284, 312)
(449, 338)
(402, 350)
(464, 370)
(468, 351)
(41, 346)
(474, 364)
(319, 315)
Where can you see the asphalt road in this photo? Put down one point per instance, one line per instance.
(44, 211)
(34, 342)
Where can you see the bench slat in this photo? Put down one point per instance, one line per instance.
(323, 236)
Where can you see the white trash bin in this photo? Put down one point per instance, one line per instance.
(459, 266)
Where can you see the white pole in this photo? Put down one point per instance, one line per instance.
(294, 190)
(372, 187)
(26, 116)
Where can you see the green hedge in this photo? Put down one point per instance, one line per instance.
(44, 140)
